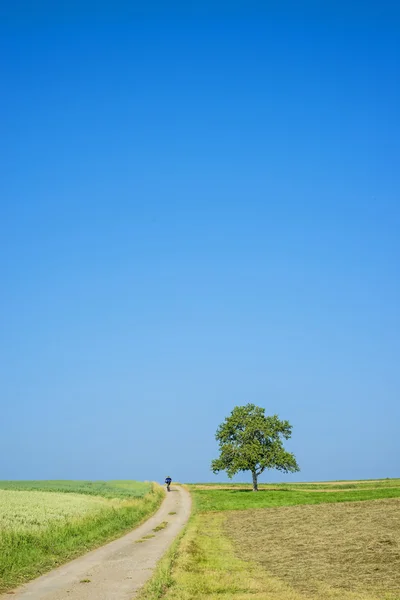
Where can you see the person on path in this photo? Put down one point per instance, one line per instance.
(168, 482)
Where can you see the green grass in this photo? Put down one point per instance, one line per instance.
(162, 582)
(223, 553)
(161, 526)
(202, 565)
(106, 489)
(321, 485)
(207, 564)
(239, 499)
(27, 553)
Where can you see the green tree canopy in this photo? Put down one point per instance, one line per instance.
(251, 441)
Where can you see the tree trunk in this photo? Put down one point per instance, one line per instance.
(255, 484)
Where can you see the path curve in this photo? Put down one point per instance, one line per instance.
(117, 570)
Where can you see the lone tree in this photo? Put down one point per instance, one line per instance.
(250, 441)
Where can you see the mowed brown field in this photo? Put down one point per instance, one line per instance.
(324, 550)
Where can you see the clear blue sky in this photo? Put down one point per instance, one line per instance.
(198, 212)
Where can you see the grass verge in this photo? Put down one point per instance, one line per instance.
(201, 565)
(162, 580)
(26, 554)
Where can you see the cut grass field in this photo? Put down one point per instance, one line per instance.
(318, 549)
(311, 546)
(40, 530)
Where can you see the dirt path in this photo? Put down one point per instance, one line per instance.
(115, 571)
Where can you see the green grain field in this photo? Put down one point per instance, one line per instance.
(46, 523)
(106, 489)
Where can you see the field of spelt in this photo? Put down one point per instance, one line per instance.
(34, 511)
(46, 523)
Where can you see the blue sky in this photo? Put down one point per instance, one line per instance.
(198, 212)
